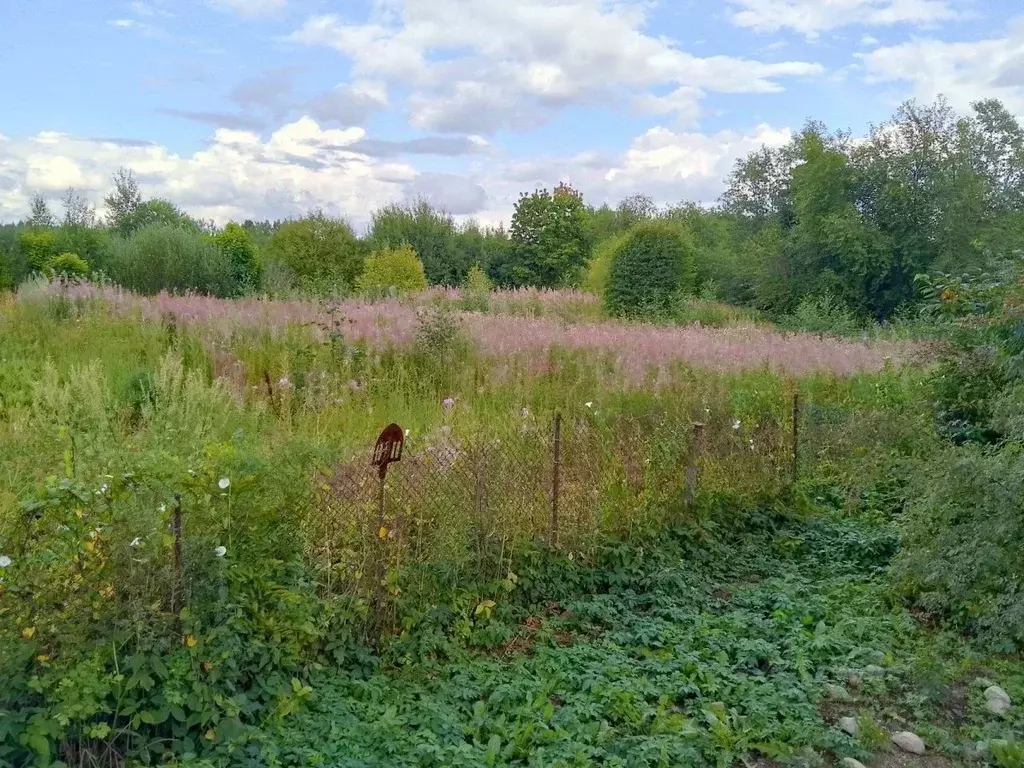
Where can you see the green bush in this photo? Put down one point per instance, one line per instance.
(393, 269)
(599, 268)
(239, 246)
(651, 270)
(320, 253)
(67, 265)
(169, 258)
(37, 247)
(823, 314)
(960, 555)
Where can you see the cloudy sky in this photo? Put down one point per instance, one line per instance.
(269, 108)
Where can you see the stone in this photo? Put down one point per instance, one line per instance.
(909, 742)
(877, 656)
(874, 670)
(849, 762)
(853, 681)
(836, 692)
(997, 700)
(849, 724)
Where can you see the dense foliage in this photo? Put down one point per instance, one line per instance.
(653, 269)
(392, 270)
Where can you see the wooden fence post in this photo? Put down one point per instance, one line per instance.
(796, 438)
(692, 467)
(556, 481)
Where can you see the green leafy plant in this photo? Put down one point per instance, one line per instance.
(398, 271)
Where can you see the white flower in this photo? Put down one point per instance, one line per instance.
(736, 424)
(135, 542)
(589, 405)
(284, 383)
(5, 561)
(224, 483)
(220, 551)
(525, 413)
(162, 508)
(407, 433)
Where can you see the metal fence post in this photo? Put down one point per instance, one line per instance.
(796, 438)
(692, 467)
(178, 530)
(556, 480)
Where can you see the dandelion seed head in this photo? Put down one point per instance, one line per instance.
(220, 551)
(224, 483)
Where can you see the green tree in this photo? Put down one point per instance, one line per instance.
(78, 212)
(431, 233)
(318, 251)
(37, 247)
(40, 215)
(167, 257)
(392, 269)
(549, 246)
(653, 268)
(235, 242)
(124, 202)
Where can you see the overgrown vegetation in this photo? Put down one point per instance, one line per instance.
(196, 569)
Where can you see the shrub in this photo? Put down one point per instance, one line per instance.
(476, 292)
(960, 555)
(392, 269)
(651, 269)
(599, 269)
(319, 252)
(165, 257)
(824, 314)
(37, 246)
(67, 265)
(238, 245)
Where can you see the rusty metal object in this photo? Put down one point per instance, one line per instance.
(388, 449)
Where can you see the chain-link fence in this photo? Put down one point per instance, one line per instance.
(563, 482)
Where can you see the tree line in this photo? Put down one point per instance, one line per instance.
(828, 219)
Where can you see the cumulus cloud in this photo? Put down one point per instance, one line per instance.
(303, 165)
(812, 17)
(238, 175)
(511, 64)
(963, 72)
(349, 103)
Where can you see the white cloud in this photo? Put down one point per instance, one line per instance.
(302, 166)
(812, 17)
(669, 166)
(299, 167)
(963, 72)
(513, 63)
(251, 8)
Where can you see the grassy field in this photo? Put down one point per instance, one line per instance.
(186, 480)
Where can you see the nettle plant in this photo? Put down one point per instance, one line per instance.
(148, 620)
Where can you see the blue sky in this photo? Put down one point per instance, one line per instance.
(268, 108)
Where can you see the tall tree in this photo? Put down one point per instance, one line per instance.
(78, 212)
(124, 202)
(40, 214)
(431, 233)
(549, 246)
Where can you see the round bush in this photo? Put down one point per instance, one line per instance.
(398, 269)
(67, 265)
(653, 266)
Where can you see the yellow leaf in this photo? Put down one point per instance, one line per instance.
(42, 657)
(211, 735)
(28, 633)
(89, 546)
(190, 641)
(383, 532)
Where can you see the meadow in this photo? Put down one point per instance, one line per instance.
(187, 480)
(681, 485)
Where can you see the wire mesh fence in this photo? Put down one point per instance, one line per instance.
(562, 482)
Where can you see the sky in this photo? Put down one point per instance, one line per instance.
(236, 109)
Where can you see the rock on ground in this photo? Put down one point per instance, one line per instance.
(849, 725)
(909, 742)
(836, 692)
(849, 762)
(997, 700)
